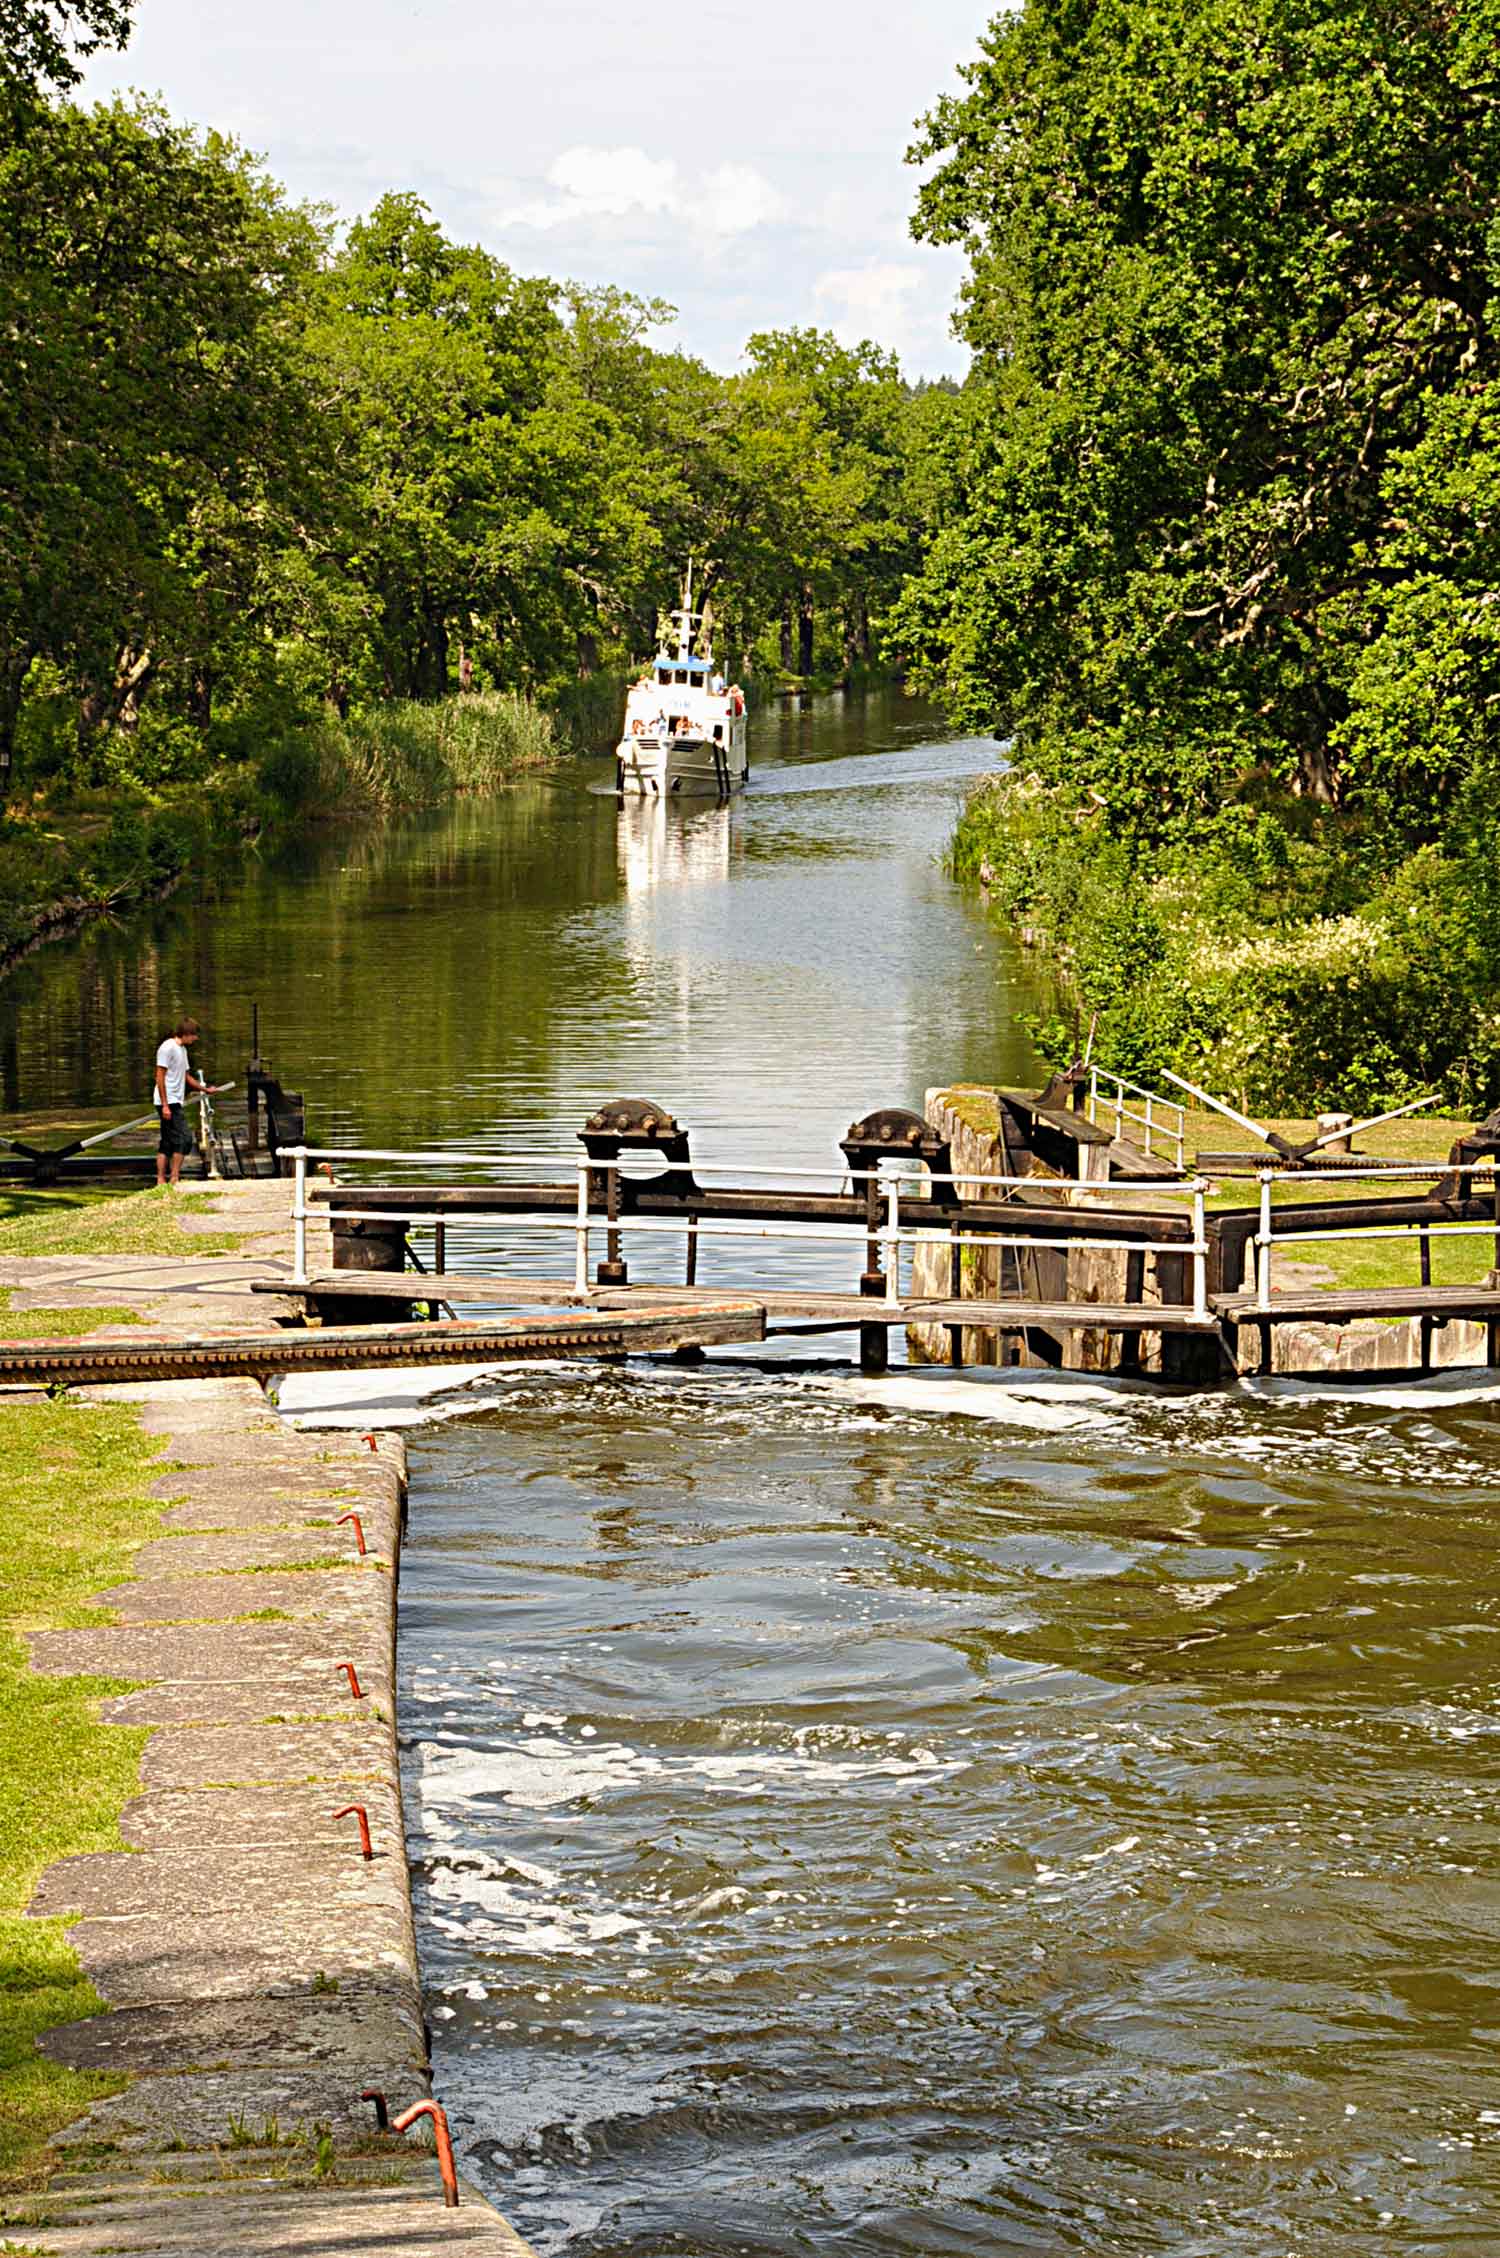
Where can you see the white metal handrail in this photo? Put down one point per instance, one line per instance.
(588, 1221)
(1266, 1236)
(918, 1173)
(1157, 1116)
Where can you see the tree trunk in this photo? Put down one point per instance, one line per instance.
(13, 675)
(1316, 776)
(588, 654)
(119, 706)
(132, 680)
(805, 623)
(432, 654)
(786, 640)
(201, 696)
(465, 671)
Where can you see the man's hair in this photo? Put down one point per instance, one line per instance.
(187, 1027)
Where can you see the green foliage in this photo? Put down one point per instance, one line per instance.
(41, 39)
(269, 500)
(1222, 539)
(411, 755)
(1230, 292)
(1278, 971)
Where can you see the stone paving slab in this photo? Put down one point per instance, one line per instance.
(243, 1553)
(182, 1653)
(261, 2098)
(277, 2222)
(301, 1700)
(187, 1880)
(345, 1594)
(262, 1749)
(130, 1968)
(353, 2027)
(270, 1812)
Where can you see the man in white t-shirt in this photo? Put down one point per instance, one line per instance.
(174, 1078)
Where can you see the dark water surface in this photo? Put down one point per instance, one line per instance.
(917, 1816)
(841, 1829)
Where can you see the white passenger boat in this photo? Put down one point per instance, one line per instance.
(684, 724)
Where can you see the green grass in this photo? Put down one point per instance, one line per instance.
(1361, 1263)
(58, 1324)
(73, 1221)
(76, 1509)
(1356, 1263)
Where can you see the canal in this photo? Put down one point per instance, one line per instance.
(882, 1817)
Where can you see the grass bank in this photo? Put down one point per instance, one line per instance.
(77, 1509)
(75, 1220)
(96, 835)
(1284, 956)
(405, 756)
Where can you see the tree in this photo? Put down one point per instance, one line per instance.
(150, 402)
(40, 38)
(1226, 258)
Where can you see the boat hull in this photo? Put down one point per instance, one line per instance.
(681, 767)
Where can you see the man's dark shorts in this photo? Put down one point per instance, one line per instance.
(176, 1136)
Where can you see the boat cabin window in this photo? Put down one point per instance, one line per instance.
(718, 732)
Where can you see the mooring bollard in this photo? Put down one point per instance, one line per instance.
(355, 1688)
(357, 1811)
(382, 2113)
(439, 2118)
(359, 1530)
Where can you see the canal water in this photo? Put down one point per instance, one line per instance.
(923, 1816)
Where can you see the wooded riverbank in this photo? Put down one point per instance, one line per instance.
(1286, 957)
(74, 853)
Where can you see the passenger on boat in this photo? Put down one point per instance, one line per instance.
(736, 698)
(716, 685)
(684, 726)
(661, 727)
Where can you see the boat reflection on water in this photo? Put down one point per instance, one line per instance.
(662, 843)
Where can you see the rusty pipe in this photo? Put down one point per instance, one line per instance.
(359, 1530)
(382, 2113)
(439, 2117)
(355, 1689)
(357, 1811)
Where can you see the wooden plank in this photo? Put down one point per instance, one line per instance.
(1064, 1317)
(1327, 1305)
(824, 1309)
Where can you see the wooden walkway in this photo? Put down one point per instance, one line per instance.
(798, 1311)
(1341, 1305)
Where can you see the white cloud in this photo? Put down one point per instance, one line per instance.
(870, 301)
(733, 198)
(592, 184)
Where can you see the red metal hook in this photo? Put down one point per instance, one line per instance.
(439, 2118)
(359, 1530)
(382, 2114)
(370, 1439)
(357, 1811)
(355, 1688)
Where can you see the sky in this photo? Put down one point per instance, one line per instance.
(745, 163)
